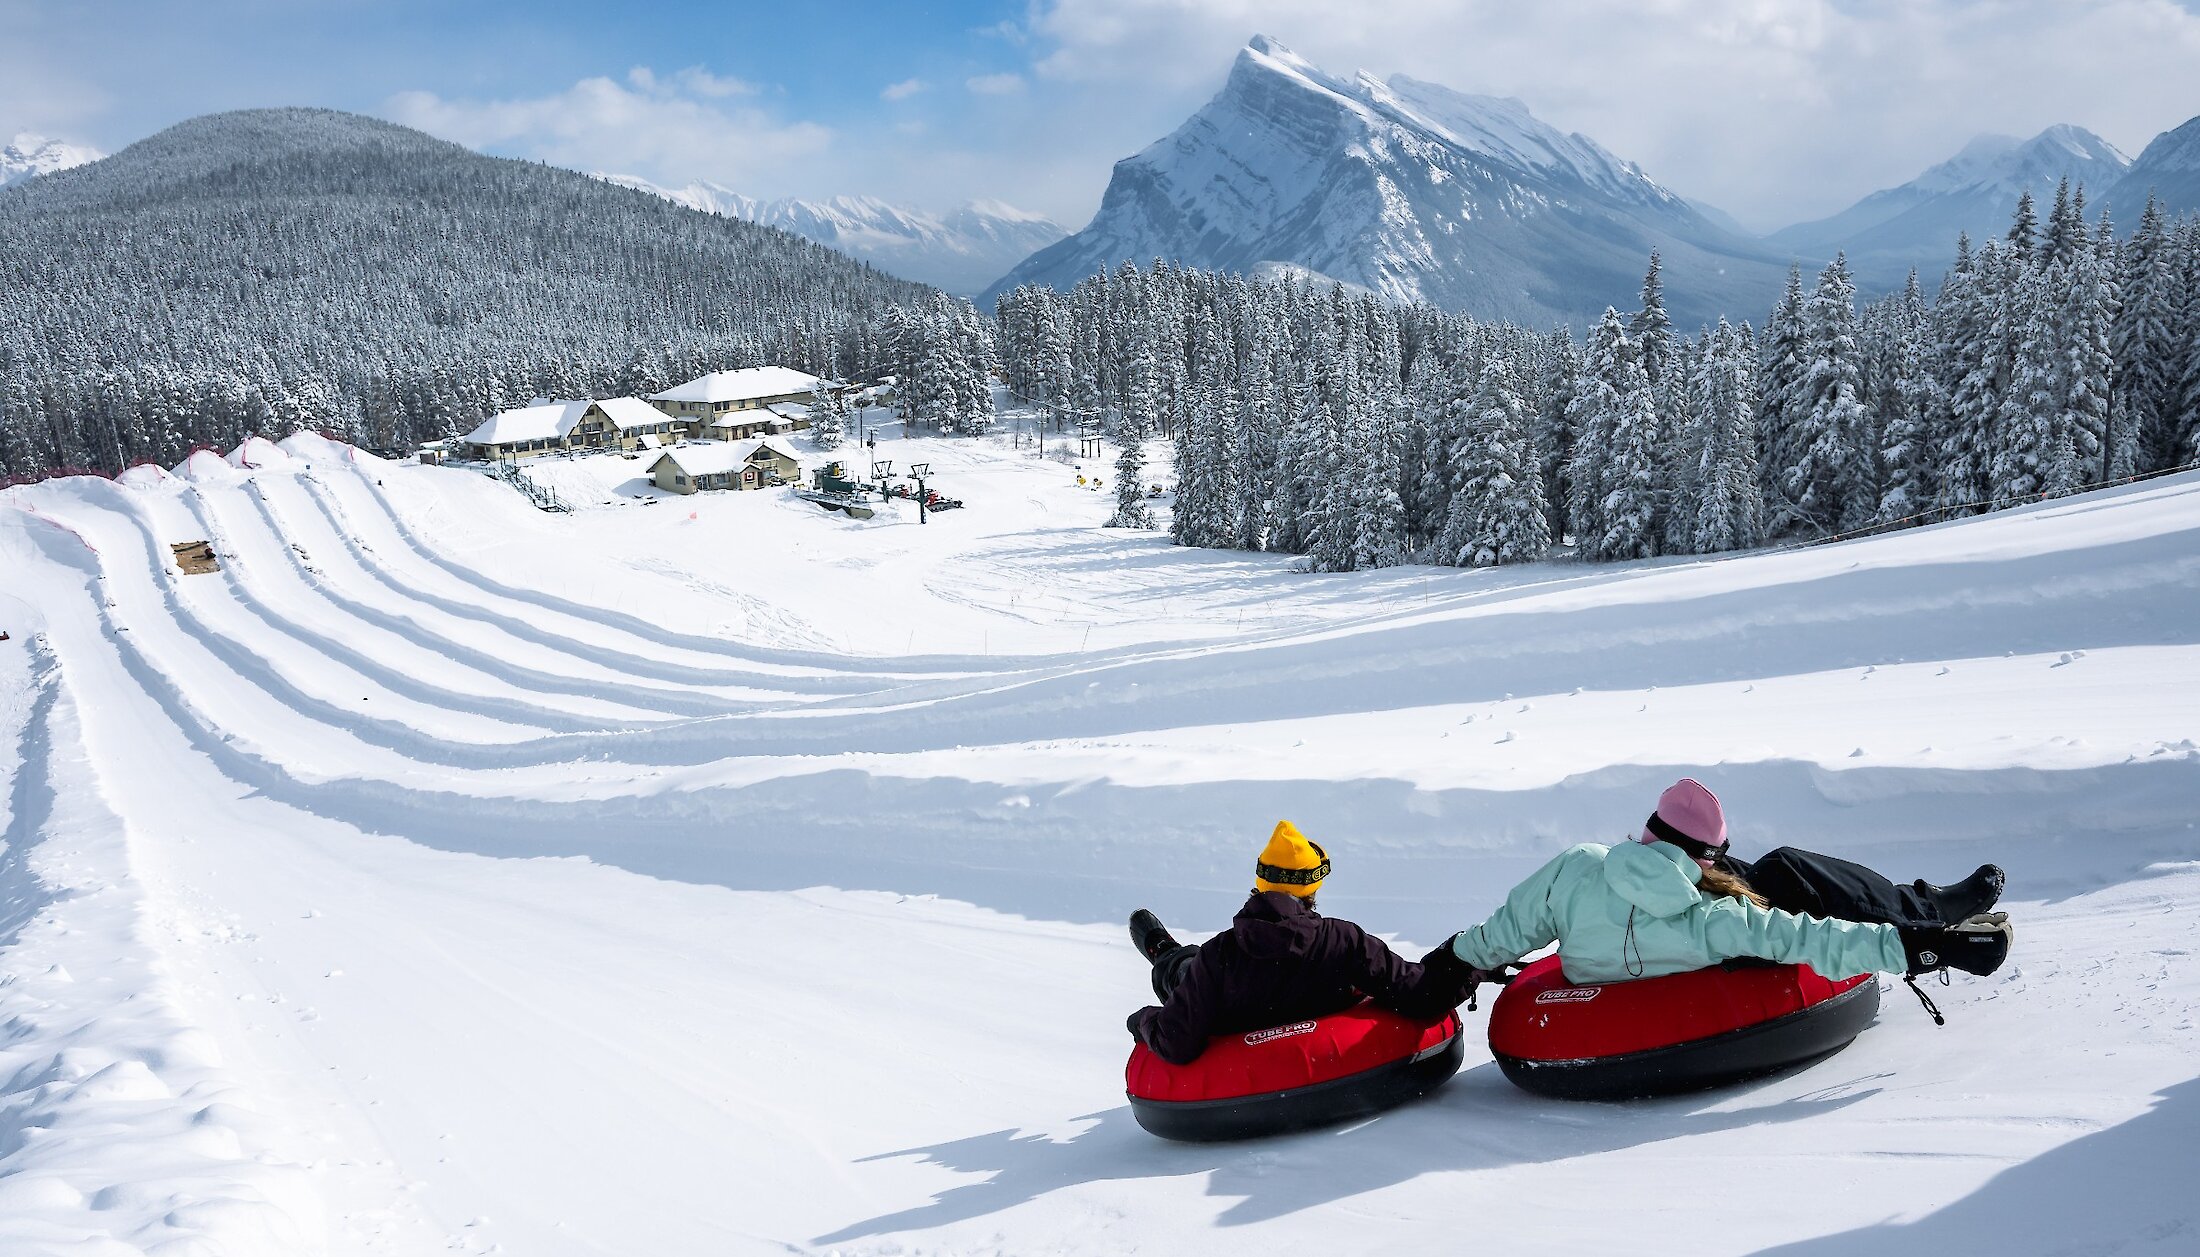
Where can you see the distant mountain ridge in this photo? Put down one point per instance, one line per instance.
(28, 156)
(1916, 224)
(2168, 168)
(961, 251)
(1411, 190)
(268, 269)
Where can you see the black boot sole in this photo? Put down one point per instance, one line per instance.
(1150, 937)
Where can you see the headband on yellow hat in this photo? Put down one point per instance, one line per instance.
(1290, 863)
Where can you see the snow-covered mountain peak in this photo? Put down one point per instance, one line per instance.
(28, 156)
(1003, 211)
(2168, 170)
(960, 250)
(1264, 54)
(1404, 188)
(2174, 150)
(1503, 127)
(1265, 68)
(1914, 225)
(2007, 165)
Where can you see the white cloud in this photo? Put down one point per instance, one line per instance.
(694, 80)
(675, 128)
(1773, 109)
(902, 90)
(995, 84)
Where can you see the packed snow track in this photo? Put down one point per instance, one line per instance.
(717, 875)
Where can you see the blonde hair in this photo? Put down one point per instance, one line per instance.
(1718, 881)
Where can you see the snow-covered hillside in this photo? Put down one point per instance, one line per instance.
(27, 156)
(714, 875)
(961, 251)
(1409, 189)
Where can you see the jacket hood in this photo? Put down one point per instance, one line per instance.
(1656, 877)
(1273, 925)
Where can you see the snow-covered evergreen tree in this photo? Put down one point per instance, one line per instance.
(829, 414)
(2024, 226)
(1497, 512)
(1683, 407)
(1554, 434)
(1829, 484)
(1780, 374)
(1629, 475)
(1651, 329)
(2031, 443)
(1729, 504)
(2140, 339)
(1131, 509)
(1908, 459)
(2090, 304)
(1609, 369)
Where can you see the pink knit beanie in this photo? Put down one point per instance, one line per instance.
(1690, 808)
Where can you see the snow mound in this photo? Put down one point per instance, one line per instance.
(259, 452)
(206, 467)
(145, 476)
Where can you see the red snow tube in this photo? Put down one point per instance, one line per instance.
(1310, 1073)
(1683, 1032)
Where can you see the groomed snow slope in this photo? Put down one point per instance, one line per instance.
(715, 875)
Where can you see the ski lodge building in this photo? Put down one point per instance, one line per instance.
(723, 406)
(738, 405)
(625, 423)
(755, 463)
(538, 427)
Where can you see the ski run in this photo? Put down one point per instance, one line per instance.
(717, 875)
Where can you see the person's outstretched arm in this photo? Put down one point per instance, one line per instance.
(1835, 948)
(1418, 991)
(1525, 921)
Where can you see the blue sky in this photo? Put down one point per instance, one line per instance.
(1772, 109)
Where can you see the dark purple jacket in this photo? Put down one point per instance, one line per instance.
(1279, 962)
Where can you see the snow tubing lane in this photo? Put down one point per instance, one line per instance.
(1682, 1032)
(1309, 1073)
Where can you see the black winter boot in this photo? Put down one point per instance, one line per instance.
(1966, 899)
(1150, 937)
(1977, 945)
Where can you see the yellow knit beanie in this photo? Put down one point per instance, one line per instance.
(1290, 863)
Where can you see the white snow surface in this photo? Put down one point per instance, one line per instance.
(734, 877)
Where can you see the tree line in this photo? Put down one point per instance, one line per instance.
(277, 270)
(1332, 424)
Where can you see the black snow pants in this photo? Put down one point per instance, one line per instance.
(1810, 884)
(1168, 967)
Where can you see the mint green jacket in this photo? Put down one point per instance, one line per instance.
(1633, 911)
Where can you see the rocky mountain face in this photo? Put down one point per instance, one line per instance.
(1411, 190)
(1916, 224)
(2168, 168)
(961, 251)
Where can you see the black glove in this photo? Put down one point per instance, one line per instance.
(1446, 969)
(1977, 945)
(1449, 980)
(1130, 1023)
